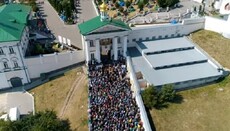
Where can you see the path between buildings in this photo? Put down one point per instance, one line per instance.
(57, 26)
(75, 86)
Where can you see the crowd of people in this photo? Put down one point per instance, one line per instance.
(112, 106)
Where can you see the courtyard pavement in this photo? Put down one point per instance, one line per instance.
(58, 28)
(21, 99)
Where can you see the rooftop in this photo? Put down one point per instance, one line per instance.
(95, 23)
(169, 44)
(13, 19)
(196, 65)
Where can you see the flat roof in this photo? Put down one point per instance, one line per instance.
(165, 44)
(173, 58)
(171, 75)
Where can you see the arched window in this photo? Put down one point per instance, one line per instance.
(4, 62)
(15, 62)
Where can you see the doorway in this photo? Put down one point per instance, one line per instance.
(16, 81)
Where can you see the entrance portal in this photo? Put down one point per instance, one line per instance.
(105, 49)
(16, 82)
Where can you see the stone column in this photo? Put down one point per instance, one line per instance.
(98, 52)
(87, 53)
(124, 45)
(115, 48)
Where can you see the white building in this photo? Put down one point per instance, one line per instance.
(14, 37)
(104, 38)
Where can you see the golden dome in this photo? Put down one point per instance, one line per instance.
(103, 7)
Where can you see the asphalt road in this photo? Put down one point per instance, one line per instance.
(58, 28)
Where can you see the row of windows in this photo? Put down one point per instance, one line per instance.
(6, 65)
(171, 50)
(180, 64)
(11, 50)
(160, 37)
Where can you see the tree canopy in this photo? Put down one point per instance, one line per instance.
(158, 98)
(167, 3)
(41, 121)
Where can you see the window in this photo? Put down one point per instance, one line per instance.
(91, 43)
(5, 65)
(92, 56)
(11, 50)
(1, 51)
(16, 64)
(134, 40)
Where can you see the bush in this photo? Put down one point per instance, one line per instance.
(153, 98)
(150, 96)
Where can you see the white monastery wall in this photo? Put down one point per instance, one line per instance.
(218, 25)
(137, 95)
(51, 62)
(164, 31)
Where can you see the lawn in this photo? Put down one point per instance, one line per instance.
(202, 109)
(215, 45)
(52, 95)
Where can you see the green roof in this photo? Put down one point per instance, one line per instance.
(13, 19)
(95, 23)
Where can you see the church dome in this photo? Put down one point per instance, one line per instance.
(103, 7)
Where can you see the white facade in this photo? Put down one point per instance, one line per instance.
(12, 63)
(98, 44)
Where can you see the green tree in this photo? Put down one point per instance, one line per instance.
(114, 1)
(127, 3)
(170, 3)
(117, 5)
(168, 93)
(150, 96)
(41, 121)
(38, 49)
(166, 3)
(140, 6)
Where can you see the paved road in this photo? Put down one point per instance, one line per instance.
(57, 26)
(22, 100)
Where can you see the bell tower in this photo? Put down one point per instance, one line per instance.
(103, 12)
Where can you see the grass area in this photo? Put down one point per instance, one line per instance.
(215, 45)
(52, 95)
(77, 111)
(202, 109)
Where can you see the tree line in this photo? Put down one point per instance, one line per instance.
(41, 121)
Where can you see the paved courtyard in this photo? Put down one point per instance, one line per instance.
(57, 26)
(22, 100)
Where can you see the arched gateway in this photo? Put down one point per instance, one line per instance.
(104, 38)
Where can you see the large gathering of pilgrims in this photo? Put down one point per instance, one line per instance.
(112, 106)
